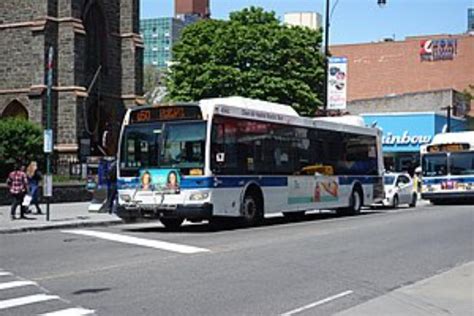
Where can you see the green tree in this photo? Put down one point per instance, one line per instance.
(251, 55)
(19, 140)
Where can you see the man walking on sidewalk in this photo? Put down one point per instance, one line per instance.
(18, 185)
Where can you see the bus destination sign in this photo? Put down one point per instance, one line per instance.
(165, 113)
(448, 148)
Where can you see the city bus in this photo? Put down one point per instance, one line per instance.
(447, 166)
(242, 158)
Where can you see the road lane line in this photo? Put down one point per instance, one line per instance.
(25, 300)
(157, 244)
(13, 284)
(321, 302)
(71, 312)
(4, 273)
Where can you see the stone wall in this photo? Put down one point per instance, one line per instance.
(27, 30)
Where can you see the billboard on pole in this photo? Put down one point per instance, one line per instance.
(337, 83)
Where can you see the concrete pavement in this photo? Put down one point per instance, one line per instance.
(320, 265)
(62, 215)
(449, 293)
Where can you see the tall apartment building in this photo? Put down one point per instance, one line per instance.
(159, 35)
(470, 20)
(199, 8)
(312, 20)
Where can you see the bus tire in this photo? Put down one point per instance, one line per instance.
(414, 198)
(171, 223)
(252, 210)
(355, 203)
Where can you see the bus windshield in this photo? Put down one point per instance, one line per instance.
(462, 163)
(163, 145)
(435, 165)
(183, 145)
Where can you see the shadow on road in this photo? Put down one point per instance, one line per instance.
(233, 224)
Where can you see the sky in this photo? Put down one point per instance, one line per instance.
(353, 21)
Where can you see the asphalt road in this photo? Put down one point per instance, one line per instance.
(317, 266)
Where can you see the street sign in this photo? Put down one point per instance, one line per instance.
(337, 83)
(48, 185)
(48, 141)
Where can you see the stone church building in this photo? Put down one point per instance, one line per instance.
(98, 68)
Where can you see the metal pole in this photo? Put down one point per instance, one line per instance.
(326, 59)
(48, 125)
(449, 119)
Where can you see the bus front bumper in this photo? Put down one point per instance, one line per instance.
(192, 212)
(464, 195)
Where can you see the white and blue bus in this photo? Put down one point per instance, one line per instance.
(242, 158)
(447, 166)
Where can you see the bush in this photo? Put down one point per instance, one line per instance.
(20, 140)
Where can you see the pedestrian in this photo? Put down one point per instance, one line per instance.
(111, 185)
(34, 179)
(17, 183)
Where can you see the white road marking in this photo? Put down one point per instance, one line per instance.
(4, 273)
(157, 244)
(71, 312)
(13, 284)
(321, 302)
(25, 300)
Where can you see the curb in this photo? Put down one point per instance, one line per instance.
(60, 226)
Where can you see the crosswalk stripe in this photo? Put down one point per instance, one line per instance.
(13, 284)
(71, 312)
(157, 244)
(25, 300)
(4, 273)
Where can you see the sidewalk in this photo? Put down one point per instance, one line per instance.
(448, 293)
(64, 215)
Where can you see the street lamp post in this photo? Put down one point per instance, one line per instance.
(448, 109)
(326, 59)
(48, 135)
(381, 3)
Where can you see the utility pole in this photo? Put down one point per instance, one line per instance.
(448, 109)
(381, 3)
(326, 59)
(48, 136)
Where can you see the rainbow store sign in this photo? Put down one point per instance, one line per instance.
(405, 139)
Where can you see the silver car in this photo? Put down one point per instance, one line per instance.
(399, 189)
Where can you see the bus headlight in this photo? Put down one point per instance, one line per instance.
(125, 198)
(199, 196)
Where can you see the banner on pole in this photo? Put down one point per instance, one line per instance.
(48, 141)
(48, 185)
(337, 83)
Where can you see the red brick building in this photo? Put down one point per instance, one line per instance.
(193, 7)
(417, 64)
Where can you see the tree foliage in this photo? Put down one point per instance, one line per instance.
(20, 140)
(251, 55)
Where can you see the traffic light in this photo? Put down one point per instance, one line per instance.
(381, 2)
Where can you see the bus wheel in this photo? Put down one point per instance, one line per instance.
(413, 200)
(252, 213)
(171, 223)
(355, 203)
(294, 216)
